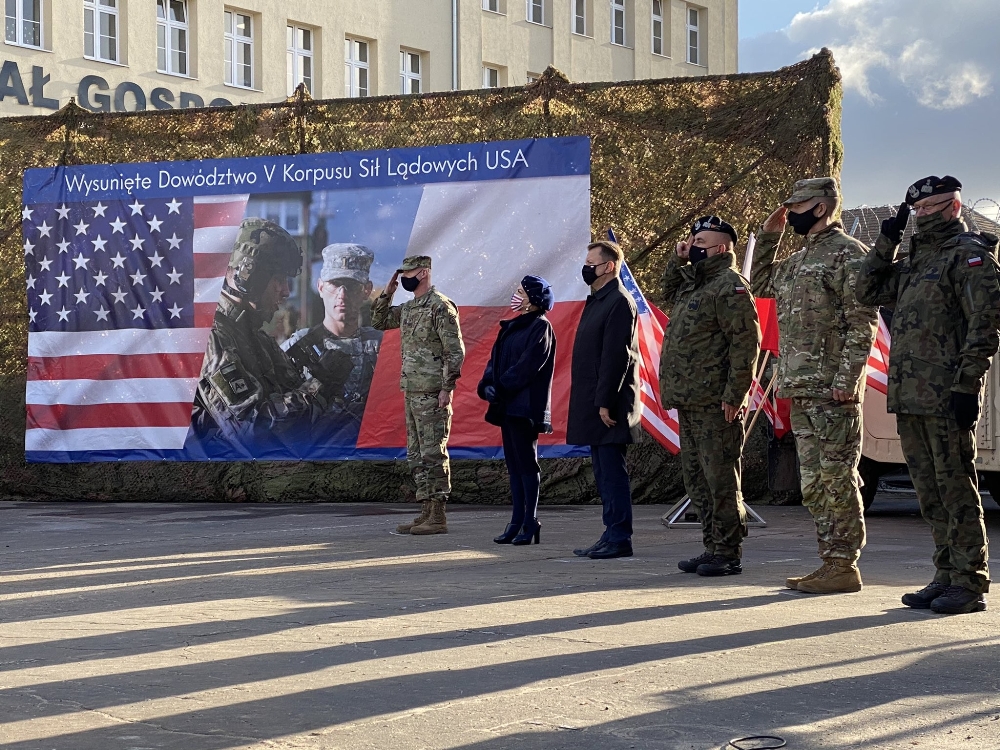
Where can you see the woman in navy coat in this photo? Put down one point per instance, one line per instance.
(517, 383)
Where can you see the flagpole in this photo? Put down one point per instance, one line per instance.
(767, 390)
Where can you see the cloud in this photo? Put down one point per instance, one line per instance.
(934, 49)
(920, 80)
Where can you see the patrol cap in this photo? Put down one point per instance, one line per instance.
(815, 187)
(346, 260)
(930, 186)
(413, 262)
(714, 224)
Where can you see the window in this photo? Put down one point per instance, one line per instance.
(532, 77)
(692, 35)
(491, 77)
(618, 22)
(239, 49)
(24, 22)
(536, 11)
(172, 37)
(100, 29)
(300, 58)
(492, 6)
(356, 68)
(287, 214)
(580, 17)
(410, 77)
(657, 27)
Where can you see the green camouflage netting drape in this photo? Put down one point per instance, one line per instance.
(663, 153)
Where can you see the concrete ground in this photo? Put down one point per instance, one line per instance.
(194, 626)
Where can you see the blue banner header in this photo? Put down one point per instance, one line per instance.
(352, 170)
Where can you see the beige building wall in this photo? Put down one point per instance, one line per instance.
(39, 80)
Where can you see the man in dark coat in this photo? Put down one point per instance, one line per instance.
(604, 408)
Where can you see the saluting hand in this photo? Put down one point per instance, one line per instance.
(684, 248)
(892, 228)
(390, 288)
(776, 221)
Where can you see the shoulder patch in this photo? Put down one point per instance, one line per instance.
(975, 260)
(740, 289)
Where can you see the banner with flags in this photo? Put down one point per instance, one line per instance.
(878, 360)
(125, 266)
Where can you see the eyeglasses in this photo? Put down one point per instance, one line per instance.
(932, 207)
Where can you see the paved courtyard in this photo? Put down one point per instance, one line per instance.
(267, 626)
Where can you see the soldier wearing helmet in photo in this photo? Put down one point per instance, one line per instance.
(249, 388)
(945, 298)
(343, 285)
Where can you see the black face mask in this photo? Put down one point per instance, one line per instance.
(409, 283)
(697, 254)
(802, 222)
(590, 275)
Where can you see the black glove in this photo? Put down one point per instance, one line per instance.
(892, 229)
(491, 393)
(966, 408)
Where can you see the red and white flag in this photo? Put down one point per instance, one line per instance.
(878, 359)
(136, 285)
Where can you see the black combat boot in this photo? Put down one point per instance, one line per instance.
(720, 566)
(957, 600)
(691, 566)
(922, 599)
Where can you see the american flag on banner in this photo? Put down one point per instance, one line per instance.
(878, 360)
(658, 422)
(121, 298)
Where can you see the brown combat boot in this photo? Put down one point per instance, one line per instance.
(425, 513)
(436, 524)
(842, 577)
(793, 583)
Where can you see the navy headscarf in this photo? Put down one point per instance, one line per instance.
(539, 292)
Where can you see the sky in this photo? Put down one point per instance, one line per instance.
(921, 86)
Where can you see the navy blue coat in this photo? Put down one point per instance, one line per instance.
(605, 370)
(520, 369)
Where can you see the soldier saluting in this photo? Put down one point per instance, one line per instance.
(433, 352)
(826, 337)
(946, 301)
(343, 285)
(249, 389)
(706, 368)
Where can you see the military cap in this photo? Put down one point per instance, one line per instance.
(346, 260)
(413, 262)
(930, 186)
(714, 224)
(816, 187)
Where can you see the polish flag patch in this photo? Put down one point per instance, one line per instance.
(977, 261)
(740, 289)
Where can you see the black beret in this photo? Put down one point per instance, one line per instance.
(932, 185)
(714, 224)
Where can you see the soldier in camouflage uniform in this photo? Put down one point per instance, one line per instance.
(946, 300)
(249, 391)
(706, 367)
(826, 337)
(343, 286)
(433, 352)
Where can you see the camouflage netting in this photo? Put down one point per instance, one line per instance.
(664, 152)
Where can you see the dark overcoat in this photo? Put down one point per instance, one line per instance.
(520, 369)
(605, 370)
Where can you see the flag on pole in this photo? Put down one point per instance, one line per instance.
(121, 302)
(657, 421)
(878, 359)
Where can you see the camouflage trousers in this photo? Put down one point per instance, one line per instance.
(942, 463)
(710, 461)
(427, 430)
(828, 441)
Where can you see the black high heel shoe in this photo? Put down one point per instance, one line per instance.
(532, 531)
(508, 535)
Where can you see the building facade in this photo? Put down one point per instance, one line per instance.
(123, 55)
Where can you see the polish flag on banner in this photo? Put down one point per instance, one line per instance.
(878, 360)
(659, 422)
(121, 302)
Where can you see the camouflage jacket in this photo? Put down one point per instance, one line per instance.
(247, 383)
(826, 334)
(307, 345)
(711, 345)
(430, 340)
(945, 299)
